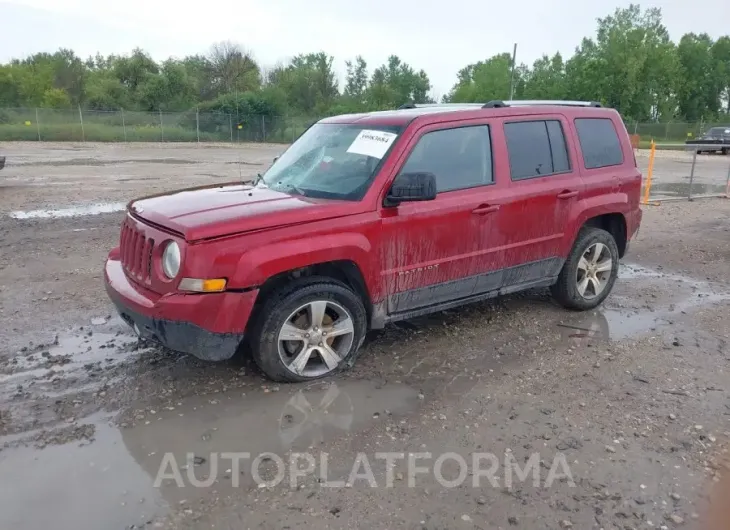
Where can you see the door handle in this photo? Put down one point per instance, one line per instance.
(485, 208)
(567, 194)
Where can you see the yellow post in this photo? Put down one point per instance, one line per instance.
(649, 172)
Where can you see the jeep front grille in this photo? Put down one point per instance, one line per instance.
(136, 252)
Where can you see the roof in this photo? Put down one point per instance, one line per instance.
(460, 111)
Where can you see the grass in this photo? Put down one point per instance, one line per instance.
(663, 145)
(94, 132)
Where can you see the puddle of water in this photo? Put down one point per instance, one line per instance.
(612, 321)
(110, 482)
(73, 211)
(87, 487)
(257, 423)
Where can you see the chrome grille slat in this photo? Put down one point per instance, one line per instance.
(136, 252)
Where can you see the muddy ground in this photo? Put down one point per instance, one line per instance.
(634, 397)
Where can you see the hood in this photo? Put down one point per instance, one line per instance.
(214, 211)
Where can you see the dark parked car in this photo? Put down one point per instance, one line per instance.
(717, 136)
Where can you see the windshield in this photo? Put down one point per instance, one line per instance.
(332, 161)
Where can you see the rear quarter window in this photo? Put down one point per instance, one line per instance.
(599, 142)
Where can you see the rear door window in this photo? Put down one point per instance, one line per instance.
(599, 142)
(536, 149)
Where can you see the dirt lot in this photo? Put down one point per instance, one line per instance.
(634, 398)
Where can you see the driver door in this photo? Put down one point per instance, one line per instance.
(432, 250)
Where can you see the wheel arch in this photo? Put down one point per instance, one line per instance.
(613, 222)
(343, 271)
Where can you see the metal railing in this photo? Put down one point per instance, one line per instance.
(686, 174)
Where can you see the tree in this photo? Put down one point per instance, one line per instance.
(396, 83)
(631, 65)
(484, 81)
(356, 82)
(232, 69)
(720, 53)
(547, 79)
(133, 70)
(308, 81)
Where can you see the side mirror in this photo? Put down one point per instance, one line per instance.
(409, 187)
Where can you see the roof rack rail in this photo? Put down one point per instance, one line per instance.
(435, 105)
(496, 103)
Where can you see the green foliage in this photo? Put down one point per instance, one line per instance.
(630, 64)
(484, 81)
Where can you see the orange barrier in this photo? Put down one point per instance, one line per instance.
(649, 172)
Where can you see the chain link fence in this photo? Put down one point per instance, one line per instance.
(670, 132)
(51, 125)
(78, 125)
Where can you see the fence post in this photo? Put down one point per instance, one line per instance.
(37, 124)
(263, 127)
(81, 119)
(197, 123)
(124, 126)
(162, 128)
(230, 124)
(692, 175)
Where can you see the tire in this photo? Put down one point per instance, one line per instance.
(723, 151)
(295, 305)
(566, 290)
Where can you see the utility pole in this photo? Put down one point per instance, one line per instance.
(512, 74)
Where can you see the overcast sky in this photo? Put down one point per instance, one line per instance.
(440, 37)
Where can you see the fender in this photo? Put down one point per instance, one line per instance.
(593, 207)
(257, 265)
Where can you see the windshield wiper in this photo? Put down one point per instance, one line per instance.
(259, 178)
(298, 191)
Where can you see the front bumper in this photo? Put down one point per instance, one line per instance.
(209, 326)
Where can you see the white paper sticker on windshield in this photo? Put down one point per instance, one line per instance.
(372, 143)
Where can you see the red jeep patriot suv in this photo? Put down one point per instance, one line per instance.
(371, 218)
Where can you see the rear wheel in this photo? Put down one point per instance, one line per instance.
(589, 272)
(724, 150)
(308, 330)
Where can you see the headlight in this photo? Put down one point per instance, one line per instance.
(171, 260)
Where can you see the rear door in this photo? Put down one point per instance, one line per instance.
(432, 251)
(544, 188)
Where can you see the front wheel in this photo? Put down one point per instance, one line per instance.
(308, 330)
(589, 272)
